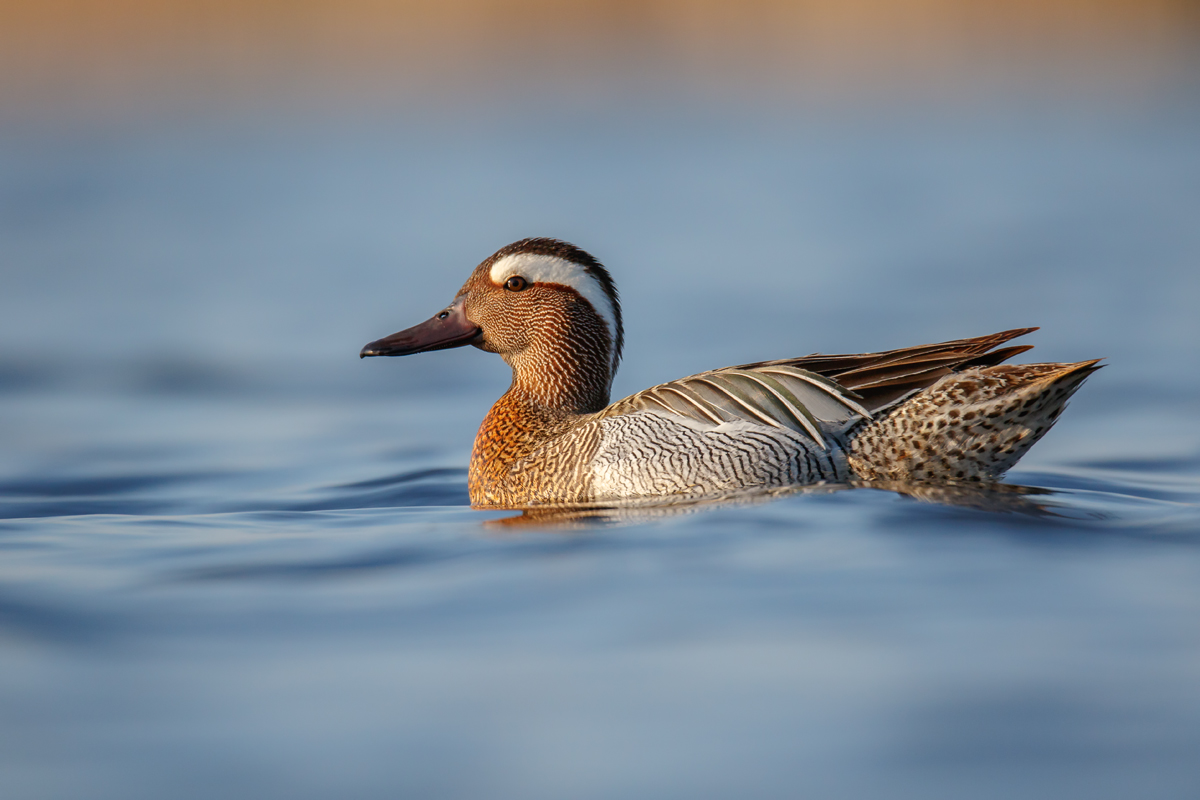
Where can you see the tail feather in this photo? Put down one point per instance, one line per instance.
(997, 356)
(969, 425)
(879, 379)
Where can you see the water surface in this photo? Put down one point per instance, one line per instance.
(238, 561)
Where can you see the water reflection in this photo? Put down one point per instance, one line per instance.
(1000, 498)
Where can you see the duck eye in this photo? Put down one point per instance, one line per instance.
(515, 284)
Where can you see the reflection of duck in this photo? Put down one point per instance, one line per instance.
(940, 411)
(998, 498)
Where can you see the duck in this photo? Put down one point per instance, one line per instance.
(947, 412)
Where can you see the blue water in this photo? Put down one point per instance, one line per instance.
(236, 561)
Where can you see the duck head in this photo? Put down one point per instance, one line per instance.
(548, 308)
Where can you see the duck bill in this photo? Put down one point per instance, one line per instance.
(449, 328)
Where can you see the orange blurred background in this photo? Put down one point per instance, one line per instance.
(104, 52)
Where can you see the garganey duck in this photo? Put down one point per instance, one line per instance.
(937, 412)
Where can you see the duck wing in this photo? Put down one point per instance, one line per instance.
(775, 394)
(877, 380)
(817, 394)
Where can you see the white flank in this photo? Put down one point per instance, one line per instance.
(552, 269)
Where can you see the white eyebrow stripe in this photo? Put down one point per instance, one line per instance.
(552, 269)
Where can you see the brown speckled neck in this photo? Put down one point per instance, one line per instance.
(561, 378)
(516, 426)
(566, 368)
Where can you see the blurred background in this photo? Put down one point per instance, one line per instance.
(235, 559)
(106, 55)
(207, 181)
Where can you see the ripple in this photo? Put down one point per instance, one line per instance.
(390, 559)
(47, 486)
(439, 486)
(1174, 465)
(1151, 484)
(80, 507)
(53, 496)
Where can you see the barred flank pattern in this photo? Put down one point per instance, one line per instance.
(650, 454)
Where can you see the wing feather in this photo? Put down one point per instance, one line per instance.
(756, 408)
(781, 397)
(880, 379)
(789, 408)
(818, 394)
(702, 413)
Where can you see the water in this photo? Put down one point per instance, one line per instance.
(238, 561)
